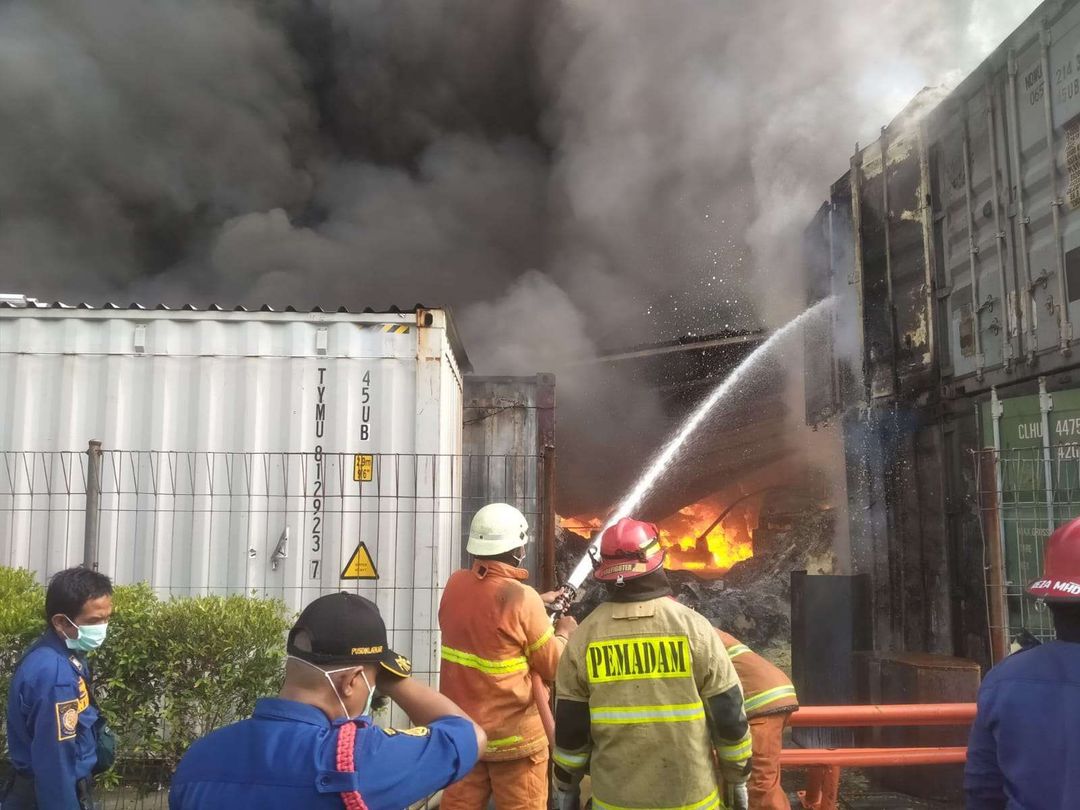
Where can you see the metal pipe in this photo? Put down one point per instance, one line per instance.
(1030, 316)
(871, 757)
(898, 714)
(727, 512)
(886, 221)
(999, 233)
(689, 346)
(973, 251)
(997, 411)
(1046, 404)
(93, 505)
(1064, 325)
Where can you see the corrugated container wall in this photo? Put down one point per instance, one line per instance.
(285, 454)
(510, 445)
(957, 234)
(1004, 148)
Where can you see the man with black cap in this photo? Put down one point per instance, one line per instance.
(315, 744)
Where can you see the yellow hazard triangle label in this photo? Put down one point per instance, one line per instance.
(360, 565)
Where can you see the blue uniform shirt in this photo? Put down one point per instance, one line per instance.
(285, 755)
(50, 728)
(1024, 752)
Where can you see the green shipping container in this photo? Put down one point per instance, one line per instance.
(1037, 439)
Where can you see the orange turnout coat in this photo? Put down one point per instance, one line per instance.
(495, 632)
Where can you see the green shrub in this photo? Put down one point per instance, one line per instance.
(170, 671)
(222, 654)
(129, 671)
(22, 605)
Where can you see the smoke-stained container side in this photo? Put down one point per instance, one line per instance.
(279, 453)
(954, 243)
(509, 436)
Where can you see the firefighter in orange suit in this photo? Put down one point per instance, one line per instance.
(647, 699)
(769, 698)
(495, 634)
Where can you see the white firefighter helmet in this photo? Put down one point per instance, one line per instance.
(496, 529)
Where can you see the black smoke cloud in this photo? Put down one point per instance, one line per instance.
(566, 174)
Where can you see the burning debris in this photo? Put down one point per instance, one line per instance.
(741, 586)
(706, 538)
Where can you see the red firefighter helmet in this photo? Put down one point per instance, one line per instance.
(628, 550)
(1061, 566)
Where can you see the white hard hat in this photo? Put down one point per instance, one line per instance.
(496, 529)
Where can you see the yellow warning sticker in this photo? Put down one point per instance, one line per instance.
(363, 467)
(360, 565)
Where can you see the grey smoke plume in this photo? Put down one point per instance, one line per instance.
(565, 173)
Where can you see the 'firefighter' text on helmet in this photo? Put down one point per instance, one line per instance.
(628, 550)
(496, 529)
(1061, 566)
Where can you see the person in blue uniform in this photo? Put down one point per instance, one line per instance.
(56, 736)
(315, 745)
(1021, 752)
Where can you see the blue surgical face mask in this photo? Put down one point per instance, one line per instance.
(91, 636)
(328, 672)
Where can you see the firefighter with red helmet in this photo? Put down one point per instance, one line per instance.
(1022, 751)
(648, 701)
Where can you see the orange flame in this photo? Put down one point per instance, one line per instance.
(714, 555)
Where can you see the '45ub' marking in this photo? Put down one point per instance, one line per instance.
(627, 659)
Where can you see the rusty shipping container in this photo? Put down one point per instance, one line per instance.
(953, 243)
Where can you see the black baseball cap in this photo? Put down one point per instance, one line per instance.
(345, 628)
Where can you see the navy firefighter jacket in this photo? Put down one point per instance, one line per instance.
(286, 756)
(50, 722)
(1024, 752)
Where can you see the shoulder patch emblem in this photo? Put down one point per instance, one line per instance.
(67, 719)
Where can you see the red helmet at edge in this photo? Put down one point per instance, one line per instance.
(628, 550)
(1061, 566)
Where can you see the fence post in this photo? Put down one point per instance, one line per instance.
(93, 504)
(547, 563)
(997, 618)
(545, 439)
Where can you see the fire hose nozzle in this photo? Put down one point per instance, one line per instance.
(562, 604)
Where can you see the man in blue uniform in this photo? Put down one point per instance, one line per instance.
(315, 744)
(54, 730)
(1021, 753)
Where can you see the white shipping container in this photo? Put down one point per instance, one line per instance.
(279, 453)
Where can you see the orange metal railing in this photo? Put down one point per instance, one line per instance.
(823, 764)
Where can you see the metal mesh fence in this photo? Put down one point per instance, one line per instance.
(291, 526)
(1023, 494)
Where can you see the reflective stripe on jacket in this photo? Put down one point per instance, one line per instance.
(494, 631)
(766, 689)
